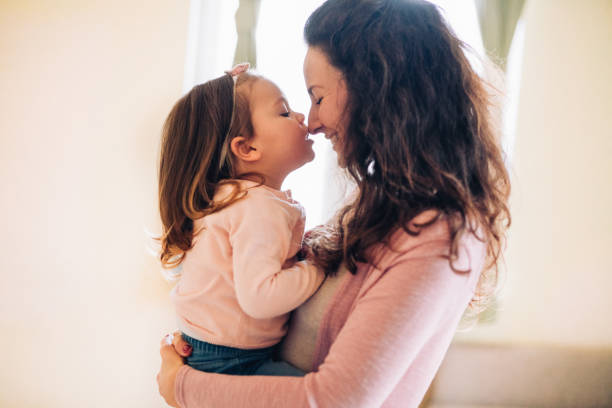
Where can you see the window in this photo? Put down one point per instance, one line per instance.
(280, 52)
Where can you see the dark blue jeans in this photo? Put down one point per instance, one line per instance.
(228, 360)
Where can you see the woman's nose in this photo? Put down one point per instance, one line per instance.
(313, 122)
(300, 117)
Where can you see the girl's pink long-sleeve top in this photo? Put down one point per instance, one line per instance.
(233, 290)
(383, 336)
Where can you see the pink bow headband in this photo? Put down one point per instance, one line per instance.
(237, 70)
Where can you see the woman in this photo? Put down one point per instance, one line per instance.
(409, 120)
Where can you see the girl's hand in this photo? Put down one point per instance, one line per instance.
(172, 361)
(306, 252)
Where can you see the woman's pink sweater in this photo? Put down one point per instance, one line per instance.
(382, 338)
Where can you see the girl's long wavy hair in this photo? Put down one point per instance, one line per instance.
(195, 158)
(419, 136)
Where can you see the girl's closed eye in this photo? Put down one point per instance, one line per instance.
(318, 101)
(286, 110)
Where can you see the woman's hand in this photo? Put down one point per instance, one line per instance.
(172, 361)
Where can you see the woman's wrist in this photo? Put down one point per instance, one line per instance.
(168, 378)
(179, 376)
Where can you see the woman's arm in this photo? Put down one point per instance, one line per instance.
(387, 336)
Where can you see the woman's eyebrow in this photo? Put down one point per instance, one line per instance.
(311, 88)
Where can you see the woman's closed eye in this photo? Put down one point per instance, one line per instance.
(286, 114)
(318, 101)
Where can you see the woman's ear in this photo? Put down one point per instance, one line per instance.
(242, 149)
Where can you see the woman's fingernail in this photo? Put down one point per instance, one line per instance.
(186, 348)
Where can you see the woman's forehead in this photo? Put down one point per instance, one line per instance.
(318, 72)
(314, 63)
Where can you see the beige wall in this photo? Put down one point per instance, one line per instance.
(85, 88)
(558, 287)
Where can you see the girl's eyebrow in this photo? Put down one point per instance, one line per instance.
(281, 100)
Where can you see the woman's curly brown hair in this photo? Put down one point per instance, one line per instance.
(419, 132)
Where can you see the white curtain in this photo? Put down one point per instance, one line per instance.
(211, 40)
(498, 20)
(246, 24)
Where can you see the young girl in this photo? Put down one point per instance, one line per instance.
(226, 148)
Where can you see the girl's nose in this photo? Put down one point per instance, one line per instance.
(300, 117)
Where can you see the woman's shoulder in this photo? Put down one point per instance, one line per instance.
(428, 235)
(426, 229)
(422, 263)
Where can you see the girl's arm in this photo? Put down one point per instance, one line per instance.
(265, 232)
(393, 331)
